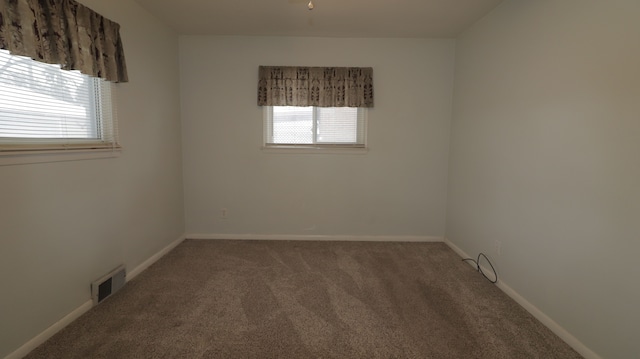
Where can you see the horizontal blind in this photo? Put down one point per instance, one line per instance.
(44, 107)
(338, 125)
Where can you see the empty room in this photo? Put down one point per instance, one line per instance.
(319, 179)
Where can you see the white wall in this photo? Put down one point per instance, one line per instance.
(397, 188)
(65, 224)
(544, 158)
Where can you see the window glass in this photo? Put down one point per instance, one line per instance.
(315, 126)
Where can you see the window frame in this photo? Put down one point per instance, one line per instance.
(316, 147)
(23, 150)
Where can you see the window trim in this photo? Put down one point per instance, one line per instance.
(32, 157)
(297, 150)
(55, 146)
(313, 147)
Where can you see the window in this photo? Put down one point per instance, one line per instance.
(315, 127)
(44, 108)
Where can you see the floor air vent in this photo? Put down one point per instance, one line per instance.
(107, 285)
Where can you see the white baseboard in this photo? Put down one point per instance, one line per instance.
(154, 258)
(306, 237)
(537, 313)
(49, 332)
(85, 307)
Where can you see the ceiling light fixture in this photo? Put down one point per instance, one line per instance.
(310, 5)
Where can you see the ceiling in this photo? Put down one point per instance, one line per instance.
(330, 18)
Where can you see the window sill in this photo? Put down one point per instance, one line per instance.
(26, 157)
(315, 150)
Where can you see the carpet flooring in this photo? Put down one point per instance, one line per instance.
(286, 299)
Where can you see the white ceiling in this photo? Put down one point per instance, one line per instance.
(330, 18)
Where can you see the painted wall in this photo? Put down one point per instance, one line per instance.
(544, 159)
(397, 188)
(65, 224)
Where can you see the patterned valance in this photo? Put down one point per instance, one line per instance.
(315, 86)
(63, 32)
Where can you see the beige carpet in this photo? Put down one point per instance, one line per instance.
(249, 299)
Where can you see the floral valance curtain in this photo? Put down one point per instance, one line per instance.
(315, 86)
(63, 32)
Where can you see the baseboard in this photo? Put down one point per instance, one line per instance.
(303, 237)
(49, 332)
(154, 258)
(535, 311)
(85, 307)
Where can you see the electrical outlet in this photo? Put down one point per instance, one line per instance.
(224, 213)
(497, 247)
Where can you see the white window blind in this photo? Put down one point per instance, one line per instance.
(45, 108)
(315, 126)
